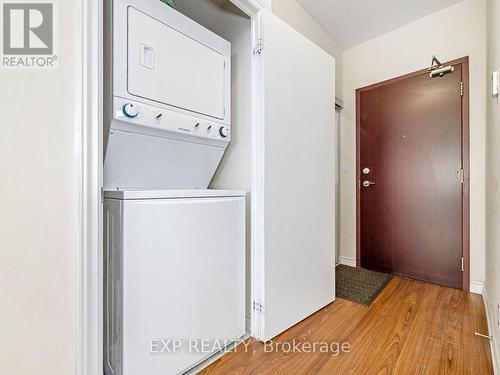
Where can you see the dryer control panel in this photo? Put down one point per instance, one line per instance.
(159, 119)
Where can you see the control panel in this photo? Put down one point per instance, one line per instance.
(162, 119)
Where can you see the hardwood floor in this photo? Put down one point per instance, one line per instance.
(411, 328)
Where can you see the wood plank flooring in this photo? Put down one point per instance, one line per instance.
(412, 328)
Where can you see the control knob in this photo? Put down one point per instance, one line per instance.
(224, 131)
(130, 110)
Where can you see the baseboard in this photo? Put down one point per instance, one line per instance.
(491, 329)
(476, 287)
(346, 261)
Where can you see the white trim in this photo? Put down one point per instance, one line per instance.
(254, 9)
(346, 261)
(258, 162)
(80, 345)
(491, 329)
(250, 7)
(90, 227)
(476, 287)
(258, 184)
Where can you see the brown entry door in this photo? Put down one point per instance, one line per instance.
(410, 160)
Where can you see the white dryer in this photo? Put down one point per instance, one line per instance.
(168, 118)
(175, 284)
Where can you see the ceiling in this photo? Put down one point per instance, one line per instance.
(351, 22)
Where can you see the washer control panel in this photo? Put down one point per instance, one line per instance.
(162, 119)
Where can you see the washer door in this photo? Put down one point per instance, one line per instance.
(183, 279)
(169, 67)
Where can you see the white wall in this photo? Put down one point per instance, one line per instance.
(493, 174)
(451, 33)
(38, 207)
(234, 172)
(297, 17)
(231, 24)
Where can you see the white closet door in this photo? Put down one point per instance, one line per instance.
(298, 258)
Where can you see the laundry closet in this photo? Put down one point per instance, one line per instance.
(218, 180)
(176, 181)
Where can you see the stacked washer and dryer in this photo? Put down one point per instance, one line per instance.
(174, 250)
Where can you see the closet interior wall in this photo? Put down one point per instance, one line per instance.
(234, 172)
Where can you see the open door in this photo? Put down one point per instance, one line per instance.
(294, 254)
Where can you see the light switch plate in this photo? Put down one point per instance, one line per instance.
(498, 314)
(346, 168)
(495, 84)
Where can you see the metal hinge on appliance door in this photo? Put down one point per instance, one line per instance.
(462, 264)
(258, 306)
(461, 176)
(259, 47)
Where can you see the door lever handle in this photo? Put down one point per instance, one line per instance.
(368, 183)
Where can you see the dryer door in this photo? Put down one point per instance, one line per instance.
(169, 67)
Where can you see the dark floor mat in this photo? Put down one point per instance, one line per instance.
(359, 285)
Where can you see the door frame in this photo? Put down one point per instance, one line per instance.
(89, 120)
(464, 61)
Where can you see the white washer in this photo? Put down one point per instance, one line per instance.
(174, 271)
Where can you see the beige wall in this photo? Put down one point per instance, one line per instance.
(293, 13)
(493, 173)
(451, 33)
(38, 203)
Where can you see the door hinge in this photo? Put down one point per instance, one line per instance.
(461, 176)
(462, 264)
(258, 306)
(102, 195)
(461, 89)
(259, 47)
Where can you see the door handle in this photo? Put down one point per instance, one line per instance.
(147, 56)
(368, 183)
